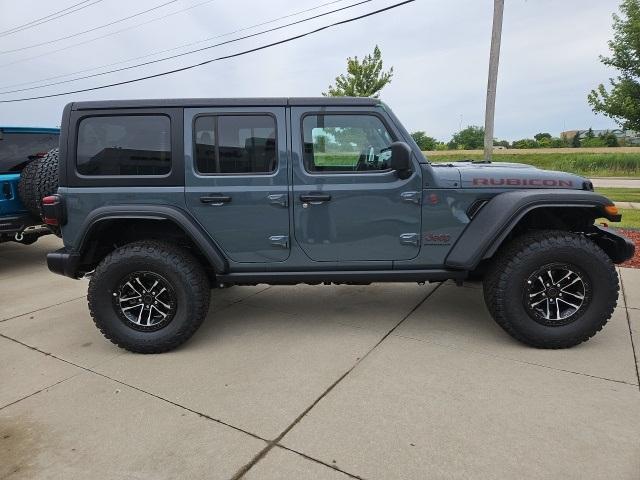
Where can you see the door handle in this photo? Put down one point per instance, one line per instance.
(215, 200)
(278, 199)
(413, 197)
(315, 198)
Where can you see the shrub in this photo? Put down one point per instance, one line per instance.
(525, 143)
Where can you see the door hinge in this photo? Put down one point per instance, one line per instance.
(409, 239)
(281, 241)
(281, 199)
(413, 197)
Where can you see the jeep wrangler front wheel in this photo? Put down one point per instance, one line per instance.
(149, 297)
(551, 289)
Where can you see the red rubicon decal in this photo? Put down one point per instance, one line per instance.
(522, 182)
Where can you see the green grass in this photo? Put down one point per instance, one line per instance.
(620, 194)
(630, 219)
(346, 160)
(585, 164)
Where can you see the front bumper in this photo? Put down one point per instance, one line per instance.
(618, 247)
(63, 262)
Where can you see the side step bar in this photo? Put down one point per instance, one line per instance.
(341, 276)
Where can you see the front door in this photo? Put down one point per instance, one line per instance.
(348, 204)
(236, 180)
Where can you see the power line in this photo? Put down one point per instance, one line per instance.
(4, 52)
(225, 57)
(157, 52)
(84, 42)
(192, 51)
(45, 54)
(48, 18)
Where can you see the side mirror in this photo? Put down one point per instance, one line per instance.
(401, 159)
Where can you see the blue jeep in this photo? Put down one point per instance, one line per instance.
(22, 152)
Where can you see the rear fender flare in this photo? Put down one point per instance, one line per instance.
(156, 212)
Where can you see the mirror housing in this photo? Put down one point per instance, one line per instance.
(401, 159)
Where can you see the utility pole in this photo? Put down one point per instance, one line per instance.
(494, 60)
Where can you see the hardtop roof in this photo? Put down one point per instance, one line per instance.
(7, 129)
(226, 102)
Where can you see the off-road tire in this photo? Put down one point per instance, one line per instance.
(182, 271)
(38, 180)
(504, 287)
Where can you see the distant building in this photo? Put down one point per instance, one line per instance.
(625, 137)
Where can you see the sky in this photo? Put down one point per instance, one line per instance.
(439, 50)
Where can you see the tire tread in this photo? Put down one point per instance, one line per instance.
(497, 278)
(172, 255)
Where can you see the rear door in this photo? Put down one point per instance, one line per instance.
(236, 180)
(348, 203)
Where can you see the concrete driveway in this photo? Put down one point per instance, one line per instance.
(380, 382)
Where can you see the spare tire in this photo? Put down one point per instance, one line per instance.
(37, 180)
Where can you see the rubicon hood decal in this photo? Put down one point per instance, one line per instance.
(522, 182)
(500, 175)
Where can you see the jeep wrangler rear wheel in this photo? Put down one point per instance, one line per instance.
(149, 297)
(551, 289)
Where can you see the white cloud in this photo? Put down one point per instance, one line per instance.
(439, 51)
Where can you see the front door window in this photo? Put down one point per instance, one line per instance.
(345, 144)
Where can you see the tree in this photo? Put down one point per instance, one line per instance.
(551, 142)
(544, 142)
(363, 79)
(525, 143)
(593, 142)
(471, 138)
(575, 141)
(501, 143)
(610, 139)
(540, 136)
(425, 142)
(622, 101)
(590, 134)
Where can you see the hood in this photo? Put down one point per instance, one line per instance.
(504, 175)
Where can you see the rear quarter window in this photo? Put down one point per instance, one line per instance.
(17, 149)
(124, 145)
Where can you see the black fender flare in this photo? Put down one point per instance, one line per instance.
(157, 212)
(495, 220)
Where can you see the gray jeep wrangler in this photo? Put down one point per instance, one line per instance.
(161, 200)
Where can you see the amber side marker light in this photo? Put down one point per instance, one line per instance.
(611, 209)
(612, 213)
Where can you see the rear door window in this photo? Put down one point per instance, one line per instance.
(118, 145)
(235, 144)
(17, 149)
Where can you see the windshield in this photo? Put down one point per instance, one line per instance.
(16, 149)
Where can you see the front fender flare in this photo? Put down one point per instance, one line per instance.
(491, 225)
